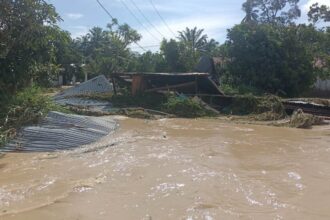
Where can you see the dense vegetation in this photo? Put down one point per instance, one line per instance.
(266, 53)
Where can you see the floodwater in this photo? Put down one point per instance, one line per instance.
(175, 169)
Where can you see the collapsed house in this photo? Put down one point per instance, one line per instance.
(204, 83)
(186, 83)
(205, 80)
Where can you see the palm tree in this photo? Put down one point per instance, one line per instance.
(193, 38)
(251, 13)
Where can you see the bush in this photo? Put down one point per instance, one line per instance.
(267, 108)
(185, 107)
(230, 89)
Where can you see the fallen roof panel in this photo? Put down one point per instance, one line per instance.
(99, 84)
(59, 131)
(91, 104)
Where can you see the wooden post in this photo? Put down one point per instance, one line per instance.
(113, 84)
(86, 76)
(196, 86)
(138, 84)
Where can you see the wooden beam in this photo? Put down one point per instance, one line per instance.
(172, 87)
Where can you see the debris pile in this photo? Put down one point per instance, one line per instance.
(299, 119)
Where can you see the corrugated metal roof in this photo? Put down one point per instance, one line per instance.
(59, 131)
(91, 104)
(98, 84)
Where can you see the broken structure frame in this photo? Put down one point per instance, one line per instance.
(192, 83)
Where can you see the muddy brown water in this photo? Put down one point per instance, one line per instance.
(175, 169)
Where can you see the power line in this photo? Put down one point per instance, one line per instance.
(106, 11)
(148, 46)
(146, 18)
(145, 50)
(138, 20)
(109, 14)
(161, 17)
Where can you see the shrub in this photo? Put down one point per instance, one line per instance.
(267, 108)
(230, 89)
(185, 107)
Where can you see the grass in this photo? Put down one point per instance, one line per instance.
(26, 107)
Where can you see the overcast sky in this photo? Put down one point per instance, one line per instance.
(215, 16)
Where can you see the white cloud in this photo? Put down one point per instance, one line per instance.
(74, 16)
(214, 26)
(211, 15)
(306, 6)
(184, 7)
(78, 31)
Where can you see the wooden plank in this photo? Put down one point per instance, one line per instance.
(209, 95)
(138, 84)
(172, 87)
(161, 74)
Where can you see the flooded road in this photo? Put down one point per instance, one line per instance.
(175, 169)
